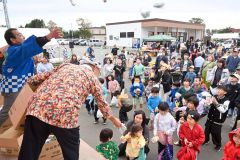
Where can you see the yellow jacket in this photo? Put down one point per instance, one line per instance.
(133, 145)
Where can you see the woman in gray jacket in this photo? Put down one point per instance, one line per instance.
(218, 76)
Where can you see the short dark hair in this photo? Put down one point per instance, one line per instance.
(155, 90)
(105, 135)
(135, 129)
(8, 35)
(222, 61)
(194, 100)
(177, 84)
(163, 106)
(195, 115)
(101, 80)
(198, 77)
(188, 95)
(116, 93)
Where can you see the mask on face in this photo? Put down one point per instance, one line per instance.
(136, 83)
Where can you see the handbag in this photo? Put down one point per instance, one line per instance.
(167, 153)
(99, 114)
(186, 153)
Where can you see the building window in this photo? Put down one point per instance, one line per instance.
(111, 37)
(123, 35)
(130, 34)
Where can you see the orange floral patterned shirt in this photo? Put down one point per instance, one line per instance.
(60, 96)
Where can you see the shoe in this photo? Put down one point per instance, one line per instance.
(104, 123)
(217, 148)
(206, 143)
(95, 122)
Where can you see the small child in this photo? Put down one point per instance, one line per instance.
(153, 102)
(216, 117)
(174, 90)
(135, 142)
(148, 89)
(96, 106)
(113, 85)
(107, 148)
(164, 126)
(90, 104)
(136, 91)
(104, 88)
(232, 148)
(192, 137)
(191, 74)
(192, 103)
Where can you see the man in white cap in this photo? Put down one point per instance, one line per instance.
(233, 92)
(54, 108)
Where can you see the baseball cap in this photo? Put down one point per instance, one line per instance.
(194, 115)
(87, 61)
(191, 66)
(235, 49)
(235, 75)
(238, 67)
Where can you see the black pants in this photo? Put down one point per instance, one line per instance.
(35, 134)
(197, 69)
(160, 147)
(215, 130)
(237, 118)
(95, 114)
(89, 106)
(123, 117)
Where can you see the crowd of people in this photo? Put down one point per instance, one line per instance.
(185, 83)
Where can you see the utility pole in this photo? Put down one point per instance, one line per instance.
(6, 13)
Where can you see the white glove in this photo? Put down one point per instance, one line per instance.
(122, 129)
(154, 139)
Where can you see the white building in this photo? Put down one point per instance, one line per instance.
(122, 33)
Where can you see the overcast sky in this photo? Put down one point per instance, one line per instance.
(215, 13)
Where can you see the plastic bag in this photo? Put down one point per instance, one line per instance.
(99, 114)
(122, 129)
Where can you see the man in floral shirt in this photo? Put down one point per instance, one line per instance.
(54, 108)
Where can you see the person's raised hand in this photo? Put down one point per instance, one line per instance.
(55, 33)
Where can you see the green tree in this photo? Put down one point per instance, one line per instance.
(51, 24)
(225, 30)
(84, 26)
(197, 20)
(36, 23)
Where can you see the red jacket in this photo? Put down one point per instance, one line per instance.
(196, 135)
(231, 152)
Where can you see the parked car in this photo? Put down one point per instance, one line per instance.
(76, 41)
(95, 42)
(63, 41)
(83, 42)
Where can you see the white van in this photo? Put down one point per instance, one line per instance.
(95, 42)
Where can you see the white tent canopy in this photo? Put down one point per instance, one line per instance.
(226, 36)
(27, 32)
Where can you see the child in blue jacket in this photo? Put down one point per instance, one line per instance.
(153, 102)
(136, 90)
